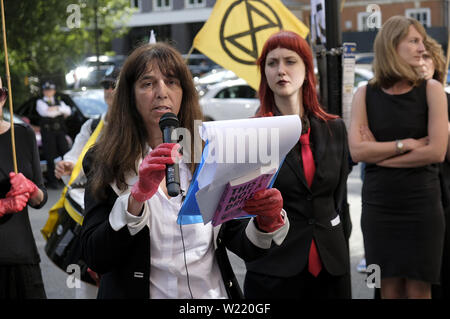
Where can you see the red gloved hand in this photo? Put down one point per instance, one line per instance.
(13, 204)
(94, 276)
(152, 170)
(267, 205)
(21, 185)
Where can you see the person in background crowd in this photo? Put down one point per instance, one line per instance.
(20, 274)
(313, 261)
(130, 234)
(65, 166)
(399, 128)
(434, 68)
(52, 112)
(74, 193)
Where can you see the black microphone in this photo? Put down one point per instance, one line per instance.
(167, 124)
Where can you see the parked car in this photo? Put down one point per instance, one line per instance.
(84, 104)
(212, 77)
(362, 76)
(224, 96)
(447, 84)
(88, 74)
(364, 60)
(199, 64)
(229, 100)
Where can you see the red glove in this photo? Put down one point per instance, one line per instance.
(13, 204)
(21, 185)
(152, 170)
(266, 204)
(94, 276)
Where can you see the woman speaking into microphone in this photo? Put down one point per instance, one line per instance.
(130, 235)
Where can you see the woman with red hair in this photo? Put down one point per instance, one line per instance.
(313, 260)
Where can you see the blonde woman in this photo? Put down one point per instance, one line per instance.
(399, 128)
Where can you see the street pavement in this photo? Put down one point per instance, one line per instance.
(56, 280)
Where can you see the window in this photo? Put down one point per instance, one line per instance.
(137, 4)
(195, 3)
(358, 78)
(423, 15)
(237, 92)
(160, 5)
(368, 21)
(246, 92)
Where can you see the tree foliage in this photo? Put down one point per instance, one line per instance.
(46, 38)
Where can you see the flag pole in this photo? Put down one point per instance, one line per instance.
(189, 53)
(8, 79)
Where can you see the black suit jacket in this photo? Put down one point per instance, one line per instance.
(123, 260)
(311, 210)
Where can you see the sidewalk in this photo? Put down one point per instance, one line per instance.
(55, 279)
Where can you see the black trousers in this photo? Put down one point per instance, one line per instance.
(54, 144)
(302, 286)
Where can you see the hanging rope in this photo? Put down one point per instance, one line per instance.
(8, 79)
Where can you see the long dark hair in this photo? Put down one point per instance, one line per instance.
(123, 140)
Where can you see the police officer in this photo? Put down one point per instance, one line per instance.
(52, 111)
(65, 166)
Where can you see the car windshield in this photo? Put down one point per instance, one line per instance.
(215, 76)
(91, 105)
(7, 117)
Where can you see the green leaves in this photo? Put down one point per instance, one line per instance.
(47, 38)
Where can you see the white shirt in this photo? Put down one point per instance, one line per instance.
(77, 194)
(43, 108)
(168, 278)
(80, 140)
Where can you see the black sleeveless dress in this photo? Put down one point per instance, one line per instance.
(402, 216)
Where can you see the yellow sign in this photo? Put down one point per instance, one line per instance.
(236, 31)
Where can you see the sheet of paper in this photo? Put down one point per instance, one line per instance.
(237, 147)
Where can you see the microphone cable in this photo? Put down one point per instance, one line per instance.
(184, 251)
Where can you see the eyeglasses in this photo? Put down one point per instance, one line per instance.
(108, 85)
(3, 94)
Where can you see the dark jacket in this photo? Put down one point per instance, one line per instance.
(123, 260)
(311, 210)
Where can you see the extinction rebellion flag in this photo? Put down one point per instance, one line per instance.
(235, 33)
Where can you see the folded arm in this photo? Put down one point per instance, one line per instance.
(433, 151)
(365, 150)
(417, 152)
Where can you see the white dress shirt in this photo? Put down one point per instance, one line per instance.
(168, 276)
(80, 140)
(44, 110)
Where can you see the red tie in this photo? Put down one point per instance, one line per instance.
(309, 168)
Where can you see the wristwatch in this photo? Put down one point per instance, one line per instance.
(399, 147)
